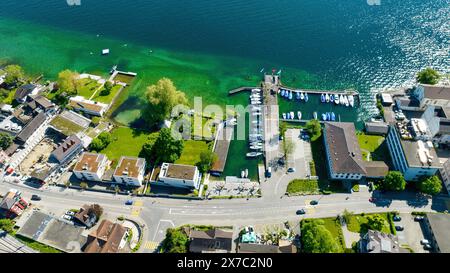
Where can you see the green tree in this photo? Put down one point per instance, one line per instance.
(176, 241)
(375, 222)
(95, 121)
(428, 76)
(168, 149)
(314, 129)
(14, 73)
(161, 98)
(431, 185)
(106, 89)
(5, 141)
(106, 138)
(68, 82)
(3, 94)
(101, 142)
(147, 150)
(283, 128)
(7, 225)
(316, 238)
(207, 159)
(394, 181)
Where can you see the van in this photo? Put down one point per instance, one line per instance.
(269, 172)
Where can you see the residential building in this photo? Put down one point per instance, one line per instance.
(378, 242)
(445, 175)
(438, 121)
(414, 158)
(376, 169)
(377, 128)
(130, 171)
(107, 238)
(211, 241)
(13, 204)
(92, 108)
(24, 91)
(283, 247)
(31, 127)
(177, 175)
(86, 216)
(343, 152)
(438, 226)
(91, 167)
(40, 103)
(386, 99)
(4, 159)
(437, 95)
(67, 150)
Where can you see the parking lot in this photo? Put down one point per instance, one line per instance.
(216, 189)
(299, 160)
(412, 234)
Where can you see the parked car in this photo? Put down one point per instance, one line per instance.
(35, 197)
(399, 228)
(424, 242)
(301, 212)
(314, 203)
(418, 218)
(71, 213)
(427, 247)
(67, 217)
(291, 170)
(129, 202)
(397, 218)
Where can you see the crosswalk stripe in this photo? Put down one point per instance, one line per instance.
(151, 245)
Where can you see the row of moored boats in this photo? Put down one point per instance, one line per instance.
(338, 99)
(288, 94)
(255, 135)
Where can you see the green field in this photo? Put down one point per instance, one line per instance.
(298, 186)
(373, 148)
(109, 98)
(87, 87)
(357, 223)
(66, 126)
(333, 225)
(191, 152)
(126, 142)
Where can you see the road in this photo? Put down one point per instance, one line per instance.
(159, 214)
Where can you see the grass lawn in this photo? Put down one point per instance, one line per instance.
(10, 98)
(87, 87)
(373, 145)
(37, 246)
(191, 152)
(107, 99)
(357, 223)
(126, 142)
(299, 186)
(66, 126)
(334, 226)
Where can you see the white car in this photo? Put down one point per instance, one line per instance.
(67, 217)
(71, 213)
(424, 242)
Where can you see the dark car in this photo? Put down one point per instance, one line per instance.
(427, 247)
(129, 202)
(418, 218)
(314, 203)
(301, 212)
(291, 170)
(397, 218)
(399, 228)
(35, 197)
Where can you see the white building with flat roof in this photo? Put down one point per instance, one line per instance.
(91, 167)
(176, 175)
(130, 171)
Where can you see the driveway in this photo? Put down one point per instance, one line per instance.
(412, 235)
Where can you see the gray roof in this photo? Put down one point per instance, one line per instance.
(343, 146)
(31, 127)
(214, 240)
(9, 244)
(377, 242)
(440, 225)
(376, 168)
(68, 146)
(259, 248)
(436, 92)
(24, 91)
(377, 127)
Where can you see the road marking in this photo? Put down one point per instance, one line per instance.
(151, 245)
(135, 211)
(138, 203)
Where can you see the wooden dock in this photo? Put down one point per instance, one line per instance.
(242, 89)
(320, 92)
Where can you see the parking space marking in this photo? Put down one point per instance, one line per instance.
(151, 245)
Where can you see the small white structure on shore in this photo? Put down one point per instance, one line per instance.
(105, 51)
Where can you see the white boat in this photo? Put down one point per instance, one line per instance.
(257, 108)
(284, 115)
(255, 147)
(255, 122)
(255, 102)
(243, 174)
(327, 98)
(297, 95)
(322, 98)
(256, 114)
(302, 96)
(299, 115)
(290, 95)
(324, 117)
(351, 100)
(256, 90)
(346, 101)
(292, 115)
(105, 51)
(255, 135)
(254, 154)
(315, 115)
(306, 97)
(341, 100)
(282, 92)
(336, 99)
(246, 173)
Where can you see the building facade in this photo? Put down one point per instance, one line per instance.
(177, 175)
(130, 171)
(91, 167)
(445, 175)
(415, 159)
